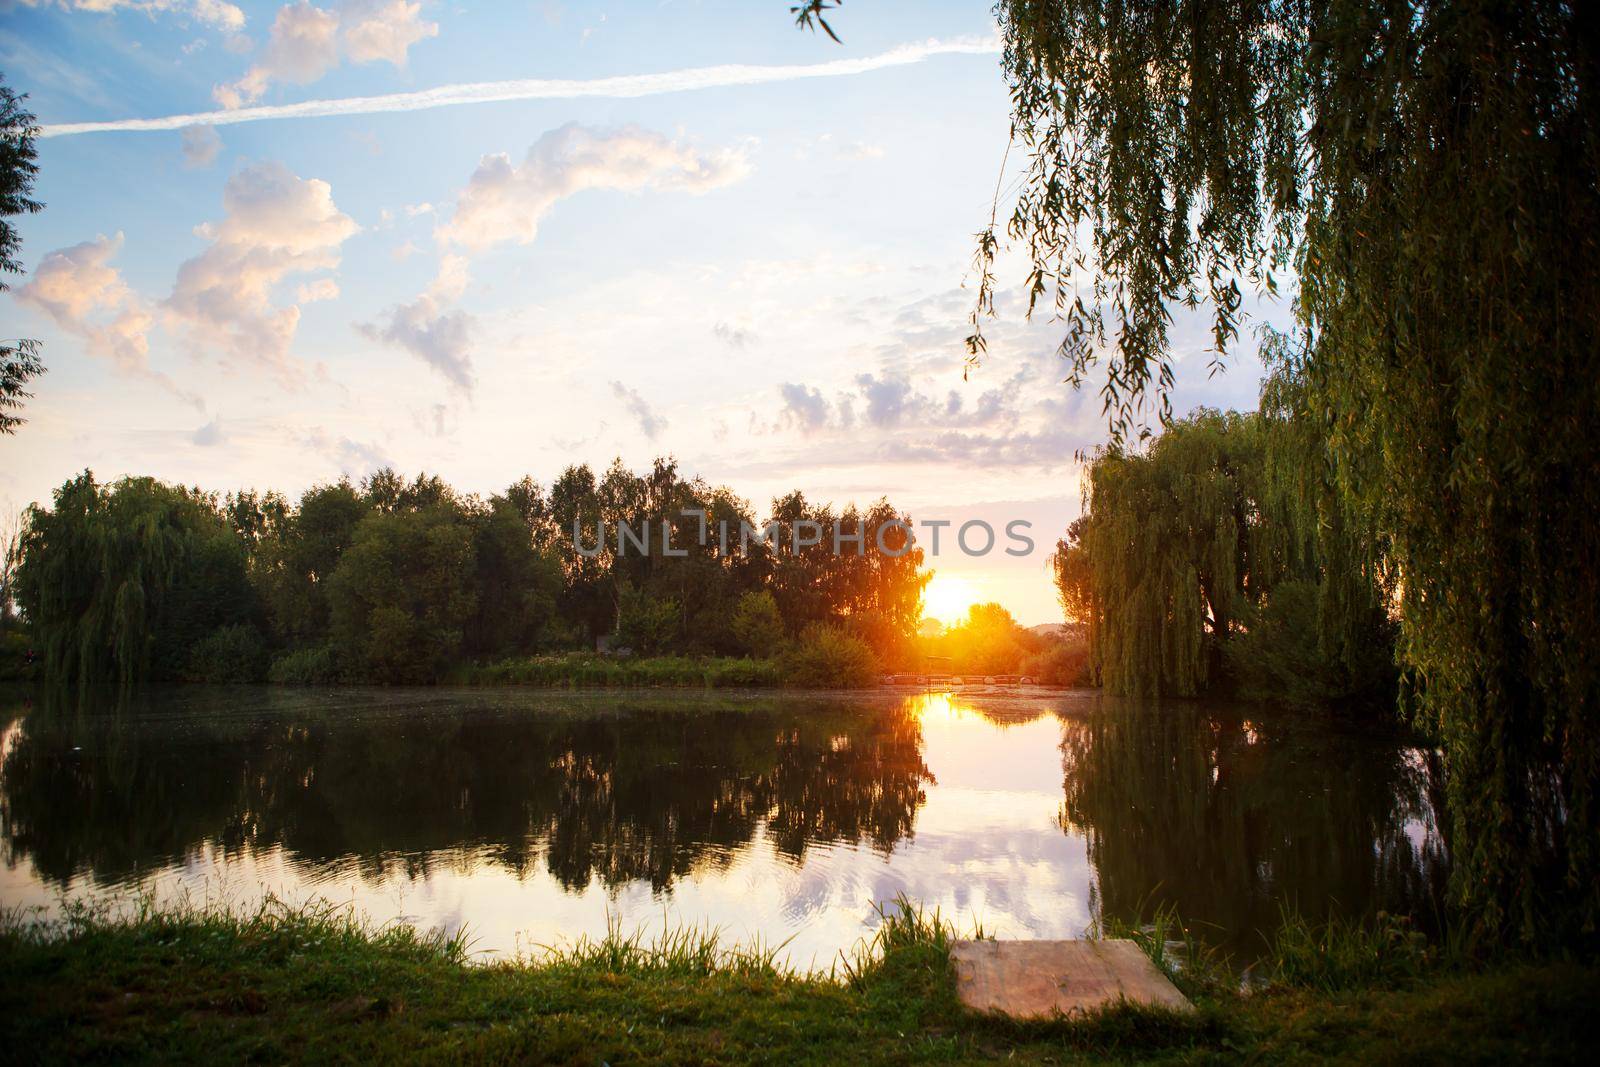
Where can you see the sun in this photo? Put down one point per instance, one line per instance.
(947, 598)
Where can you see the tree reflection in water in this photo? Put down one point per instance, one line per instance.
(1230, 818)
(613, 791)
(1222, 814)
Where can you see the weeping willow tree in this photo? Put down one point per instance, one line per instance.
(120, 582)
(1427, 176)
(1163, 562)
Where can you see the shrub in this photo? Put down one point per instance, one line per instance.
(645, 623)
(827, 657)
(228, 654)
(757, 625)
(306, 666)
(14, 663)
(1061, 663)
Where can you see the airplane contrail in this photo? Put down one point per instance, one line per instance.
(627, 85)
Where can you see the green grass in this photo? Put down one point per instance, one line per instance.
(580, 669)
(317, 983)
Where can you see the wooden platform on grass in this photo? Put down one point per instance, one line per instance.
(1040, 978)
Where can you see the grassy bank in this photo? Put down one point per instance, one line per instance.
(317, 984)
(586, 670)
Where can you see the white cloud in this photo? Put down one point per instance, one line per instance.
(275, 224)
(506, 202)
(427, 329)
(86, 296)
(302, 47)
(352, 457)
(209, 435)
(384, 29)
(861, 150)
(624, 86)
(321, 289)
(200, 146)
(307, 42)
(216, 13)
(650, 423)
(732, 336)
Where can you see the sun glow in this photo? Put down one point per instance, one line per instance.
(947, 598)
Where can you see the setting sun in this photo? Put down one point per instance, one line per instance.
(947, 598)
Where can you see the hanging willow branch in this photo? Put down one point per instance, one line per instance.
(1428, 175)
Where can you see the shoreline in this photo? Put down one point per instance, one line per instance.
(318, 981)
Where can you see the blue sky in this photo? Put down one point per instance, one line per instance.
(761, 279)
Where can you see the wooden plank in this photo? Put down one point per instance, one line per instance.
(1041, 978)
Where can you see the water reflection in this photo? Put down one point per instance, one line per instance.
(616, 792)
(543, 814)
(1231, 819)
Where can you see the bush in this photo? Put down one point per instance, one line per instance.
(757, 625)
(645, 623)
(228, 654)
(827, 657)
(1062, 663)
(307, 666)
(15, 665)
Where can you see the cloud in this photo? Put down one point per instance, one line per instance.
(384, 29)
(307, 42)
(861, 150)
(506, 202)
(302, 47)
(890, 403)
(200, 146)
(352, 457)
(213, 13)
(732, 336)
(321, 289)
(275, 224)
(625, 86)
(803, 406)
(86, 296)
(650, 424)
(425, 328)
(888, 399)
(209, 435)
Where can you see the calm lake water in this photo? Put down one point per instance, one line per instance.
(532, 817)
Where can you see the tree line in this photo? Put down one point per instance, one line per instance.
(391, 580)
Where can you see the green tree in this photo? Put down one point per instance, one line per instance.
(757, 625)
(645, 624)
(516, 585)
(19, 358)
(584, 552)
(294, 560)
(402, 595)
(122, 582)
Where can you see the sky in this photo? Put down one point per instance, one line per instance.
(285, 243)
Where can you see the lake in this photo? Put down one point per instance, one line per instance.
(533, 817)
